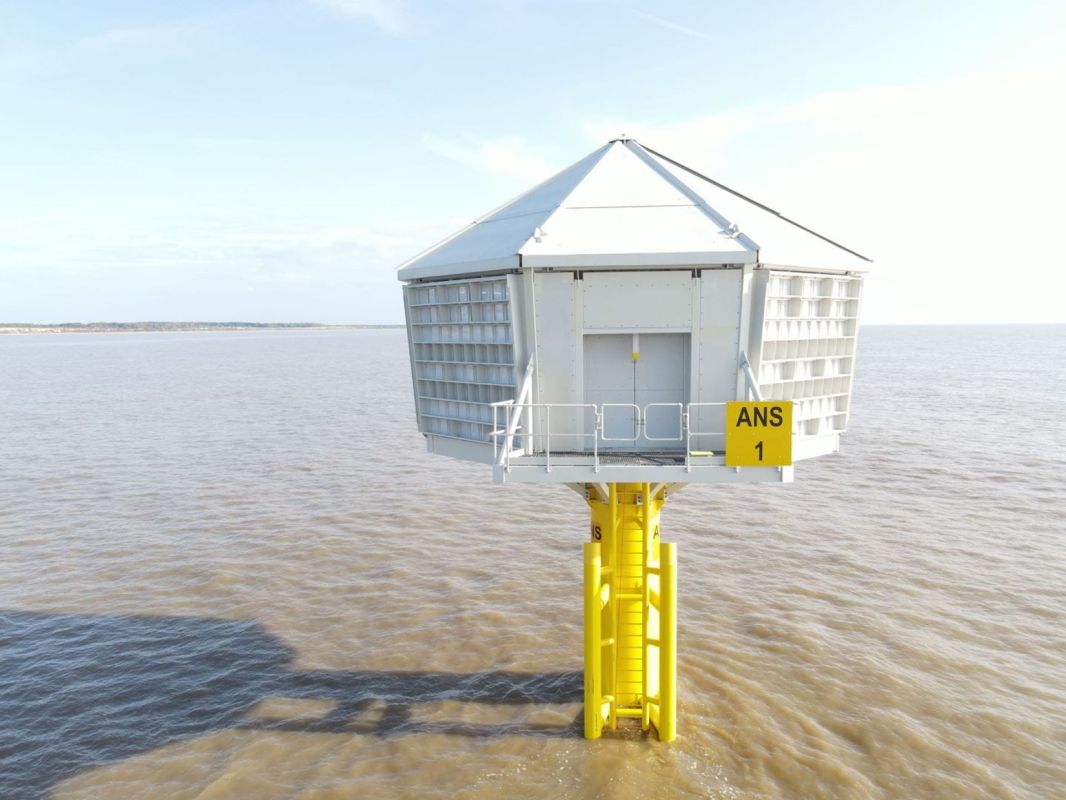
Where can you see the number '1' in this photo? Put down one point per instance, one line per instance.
(759, 448)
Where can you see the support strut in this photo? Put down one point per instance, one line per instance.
(630, 613)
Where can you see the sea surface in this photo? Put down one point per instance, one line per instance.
(228, 568)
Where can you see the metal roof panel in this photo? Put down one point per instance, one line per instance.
(631, 204)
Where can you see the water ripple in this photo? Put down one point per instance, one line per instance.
(229, 569)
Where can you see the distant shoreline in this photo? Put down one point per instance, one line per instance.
(19, 328)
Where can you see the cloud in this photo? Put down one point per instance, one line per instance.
(119, 38)
(390, 242)
(508, 156)
(30, 57)
(71, 266)
(674, 26)
(951, 187)
(390, 16)
(172, 37)
(69, 244)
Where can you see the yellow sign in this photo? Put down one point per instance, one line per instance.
(758, 434)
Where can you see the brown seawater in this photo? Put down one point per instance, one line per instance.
(229, 569)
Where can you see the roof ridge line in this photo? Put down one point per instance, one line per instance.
(755, 203)
(698, 201)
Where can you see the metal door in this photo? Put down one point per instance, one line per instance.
(635, 377)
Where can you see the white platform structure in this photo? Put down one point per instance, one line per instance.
(591, 330)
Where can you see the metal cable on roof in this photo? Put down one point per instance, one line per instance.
(756, 203)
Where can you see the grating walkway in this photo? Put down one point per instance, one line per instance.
(636, 459)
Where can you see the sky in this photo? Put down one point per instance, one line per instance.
(275, 160)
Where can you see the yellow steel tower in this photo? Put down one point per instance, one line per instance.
(630, 613)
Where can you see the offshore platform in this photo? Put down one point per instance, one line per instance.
(627, 327)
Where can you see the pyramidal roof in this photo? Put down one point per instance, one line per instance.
(626, 205)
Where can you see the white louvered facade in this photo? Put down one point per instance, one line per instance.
(462, 351)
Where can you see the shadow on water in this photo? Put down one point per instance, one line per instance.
(78, 691)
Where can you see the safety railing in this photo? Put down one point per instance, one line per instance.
(511, 432)
(511, 439)
(512, 428)
(501, 450)
(689, 432)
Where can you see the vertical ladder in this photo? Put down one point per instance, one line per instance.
(630, 613)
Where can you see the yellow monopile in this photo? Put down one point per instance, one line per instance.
(630, 613)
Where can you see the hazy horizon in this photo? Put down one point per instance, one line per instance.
(325, 323)
(276, 160)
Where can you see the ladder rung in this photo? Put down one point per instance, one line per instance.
(629, 712)
(630, 595)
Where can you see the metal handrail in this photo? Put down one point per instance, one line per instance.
(680, 422)
(517, 409)
(689, 433)
(496, 431)
(503, 453)
(639, 421)
(753, 385)
(512, 424)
